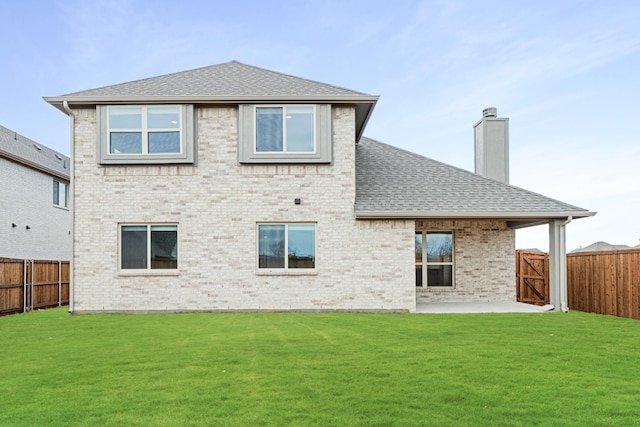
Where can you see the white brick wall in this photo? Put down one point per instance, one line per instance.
(26, 199)
(484, 262)
(361, 265)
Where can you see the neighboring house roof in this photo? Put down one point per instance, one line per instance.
(228, 82)
(600, 246)
(394, 183)
(23, 150)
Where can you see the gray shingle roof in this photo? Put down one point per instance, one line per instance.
(230, 82)
(230, 79)
(601, 246)
(28, 152)
(391, 182)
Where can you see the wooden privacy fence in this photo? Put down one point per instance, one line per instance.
(28, 284)
(605, 282)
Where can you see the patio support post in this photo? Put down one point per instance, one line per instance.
(558, 264)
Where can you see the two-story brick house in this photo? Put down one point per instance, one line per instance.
(232, 187)
(35, 222)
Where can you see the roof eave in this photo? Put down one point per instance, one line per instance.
(34, 165)
(361, 123)
(57, 101)
(508, 216)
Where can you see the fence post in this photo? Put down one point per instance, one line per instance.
(59, 283)
(32, 283)
(24, 285)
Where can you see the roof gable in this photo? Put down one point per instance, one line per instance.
(226, 80)
(28, 152)
(391, 182)
(230, 82)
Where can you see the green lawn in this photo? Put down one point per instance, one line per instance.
(328, 369)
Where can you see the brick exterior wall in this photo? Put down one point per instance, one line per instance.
(361, 265)
(484, 262)
(27, 200)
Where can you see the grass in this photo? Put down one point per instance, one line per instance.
(319, 369)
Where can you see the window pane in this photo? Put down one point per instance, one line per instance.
(439, 275)
(62, 195)
(125, 142)
(302, 246)
(164, 246)
(419, 275)
(439, 246)
(134, 247)
(271, 246)
(164, 142)
(418, 247)
(163, 117)
(299, 122)
(269, 129)
(125, 118)
(56, 185)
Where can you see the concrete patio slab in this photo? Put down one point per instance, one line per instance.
(481, 307)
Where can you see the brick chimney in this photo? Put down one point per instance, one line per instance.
(491, 136)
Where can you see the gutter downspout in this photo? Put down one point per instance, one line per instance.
(65, 105)
(563, 292)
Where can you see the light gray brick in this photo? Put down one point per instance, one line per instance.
(217, 204)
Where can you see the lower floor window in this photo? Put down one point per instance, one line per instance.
(434, 258)
(286, 246)
(144, 247)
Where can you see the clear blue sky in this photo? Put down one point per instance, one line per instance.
(566, 73)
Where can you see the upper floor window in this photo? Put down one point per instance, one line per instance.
(60, 197)
(144, 130)
(286, 129)
(284, 133)
(145, 134)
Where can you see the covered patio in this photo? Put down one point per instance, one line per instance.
(480, 307)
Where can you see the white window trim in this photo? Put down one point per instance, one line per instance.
(144, 130)
(66, 194)
(147, 271)
(284, 130)
(286, 271)
(425, 264)
(323, 137)
(187, 138)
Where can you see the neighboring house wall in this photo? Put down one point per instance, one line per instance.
(26, 197)
(484, 262)
(217, 203)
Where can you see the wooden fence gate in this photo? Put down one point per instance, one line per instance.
(532, 277)
(27, 285)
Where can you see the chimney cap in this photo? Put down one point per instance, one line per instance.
(490, 112)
